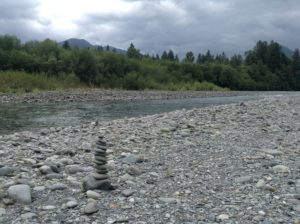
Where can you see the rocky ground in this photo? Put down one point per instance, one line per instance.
(102, 95)
(237, 163)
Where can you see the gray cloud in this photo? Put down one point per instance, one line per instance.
(232, 26)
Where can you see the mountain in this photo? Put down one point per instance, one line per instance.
(74, 42)
(81, 43)
(287, 51)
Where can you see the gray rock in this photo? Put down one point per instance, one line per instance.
(72, 169)
(28, 215)
(281, 169)
(45, 169)
(90, 183)
(52, 176)
(39, 188)
(91, 208)
(168, 200)
(93, 194)
(130, 159)
(127, 192)
(6, 171)
(48, 207)
(71, 204)
(58, 186)
(272, 152)
(243, 179)
(223, 217)
(2, 212)
(134, 171)
(296, 208)
(20, 193)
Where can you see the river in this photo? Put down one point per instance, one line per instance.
(30, 117)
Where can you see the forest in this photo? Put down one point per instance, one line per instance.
(46, 65)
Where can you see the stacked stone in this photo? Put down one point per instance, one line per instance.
(99, 179)
(100, 161)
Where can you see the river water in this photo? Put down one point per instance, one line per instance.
(20, 117)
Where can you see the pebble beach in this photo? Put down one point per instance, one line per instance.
(235, 163)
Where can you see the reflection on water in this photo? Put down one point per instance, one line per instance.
(19, 117)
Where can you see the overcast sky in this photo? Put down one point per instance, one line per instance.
(232, 26)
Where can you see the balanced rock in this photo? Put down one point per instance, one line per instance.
(98, 179)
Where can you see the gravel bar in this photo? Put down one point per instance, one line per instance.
(236, 163)
(110, 95)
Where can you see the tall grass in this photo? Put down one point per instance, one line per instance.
(20, 82)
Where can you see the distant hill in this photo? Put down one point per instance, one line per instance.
(82, 43)
(287, 51)
(74, 42)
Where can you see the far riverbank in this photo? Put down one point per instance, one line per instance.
(96, 95)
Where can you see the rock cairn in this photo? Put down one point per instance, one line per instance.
(99, 179)
(100, 161)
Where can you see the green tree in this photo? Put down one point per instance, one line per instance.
(189, 57)
(164, 56)
(171, 55)
(236, 60)
(85, 65)
(66, 45)
(132, 52)
(9, 43)
(296, 61)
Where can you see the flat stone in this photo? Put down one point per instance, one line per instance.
(39, 188)
(100, 152)
(168, 200)
(98, 176)
(134, 171)
(272, 152)
(71, 204)
(100, 163)
(93, 194)
(6, 171)
(243, 179)
(48, 207)
(100, 158)
(281, 169)
(130, 159)
(127, 192)
(72, 169)
(91, 208)
(223, 217)
(58, 186)
(28, 215)
(20, 193)
(90, 183)
(52, 176)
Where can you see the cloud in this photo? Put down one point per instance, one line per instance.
(153, 26)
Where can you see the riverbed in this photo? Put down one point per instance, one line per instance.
(24, 116)
(233, 163)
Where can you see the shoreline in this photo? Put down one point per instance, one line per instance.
(227, 163)
(95, 95)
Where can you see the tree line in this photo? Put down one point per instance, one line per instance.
(265, 67)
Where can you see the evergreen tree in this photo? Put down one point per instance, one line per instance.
(236, 60)
(132, 52)
(164, 56)
(296, 61)
(66, 45)
(200, 59)
(189, 57)
(171, 55)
